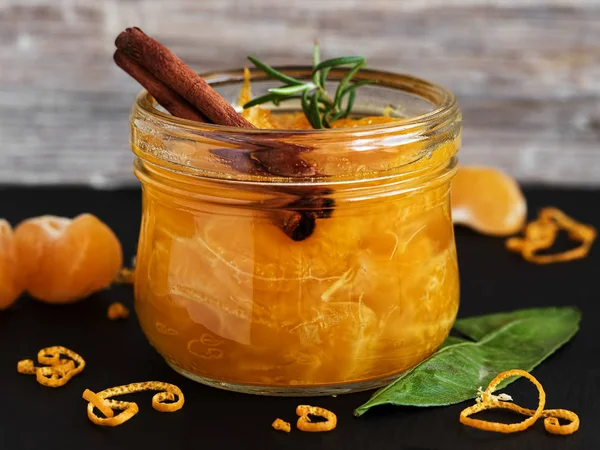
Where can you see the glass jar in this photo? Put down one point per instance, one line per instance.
(259, 275)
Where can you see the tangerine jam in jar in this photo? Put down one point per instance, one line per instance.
(336, 279)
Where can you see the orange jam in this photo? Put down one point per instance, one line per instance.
(230, 300)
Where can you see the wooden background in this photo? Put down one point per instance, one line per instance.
(527, 73)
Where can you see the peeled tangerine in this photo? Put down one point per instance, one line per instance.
(487, 200)
(10, 285)
(63, 260)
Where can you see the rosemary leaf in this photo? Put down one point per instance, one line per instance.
(351, 99)
(316, 54)
(260, 100)
(276, 100)
(344, 112)
(319, 108)
(290, 90)
(358, 84)
(306, 106)
(315, 115)
(342, 61)
(323, 76)
(272, 72)
(345, 80)
(316, 60)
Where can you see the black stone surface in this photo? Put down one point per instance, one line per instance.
(37, 417)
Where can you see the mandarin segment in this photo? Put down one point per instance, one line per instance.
(487, 200)
(10, 280)
(64, 260)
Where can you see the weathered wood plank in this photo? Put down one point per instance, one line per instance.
(527, 74)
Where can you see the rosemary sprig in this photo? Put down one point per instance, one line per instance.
(318, 106)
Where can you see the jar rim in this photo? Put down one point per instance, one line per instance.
(323, 156)
(444, 101)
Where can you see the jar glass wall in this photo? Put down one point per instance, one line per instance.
(336, 278)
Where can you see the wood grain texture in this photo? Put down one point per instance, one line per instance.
(527, 73)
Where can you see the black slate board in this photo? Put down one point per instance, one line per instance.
(36, 417)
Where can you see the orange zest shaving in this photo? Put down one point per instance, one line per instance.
(489, 401)
(117, 310)
(26, 367)
(304, 423)
(281, 425)
(57, 371)
(246, 91)
(541, 234)
(101, 400)
(125, 276)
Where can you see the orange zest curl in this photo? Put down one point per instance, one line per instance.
(117, 310)
(101, 401)
(281, 425)
(56, 371)
(304, 423)
(553, 426)
(489, 401)
(541, 234)
(98, 403)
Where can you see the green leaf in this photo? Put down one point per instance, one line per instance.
(291, 90)
(478, 327)
(343, 61)
(454, 374)
(273, 73)
(452, 340)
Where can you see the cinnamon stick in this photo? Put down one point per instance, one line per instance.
(173, 72)
(163, 94)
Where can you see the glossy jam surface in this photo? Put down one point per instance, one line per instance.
(224, 294)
